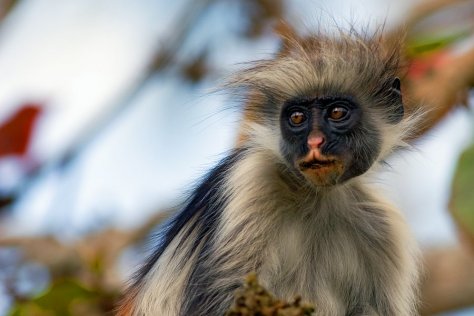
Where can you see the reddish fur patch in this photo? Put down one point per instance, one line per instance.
(325, 173)
(127, 304)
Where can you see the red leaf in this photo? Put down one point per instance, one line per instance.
(16, 131)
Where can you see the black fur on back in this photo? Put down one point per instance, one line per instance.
(205, 202)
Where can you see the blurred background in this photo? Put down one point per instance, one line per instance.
(107, 117)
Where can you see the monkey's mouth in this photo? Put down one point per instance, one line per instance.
(322, 172)
(317, 164)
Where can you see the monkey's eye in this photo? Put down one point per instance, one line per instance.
(297, 118)
(338, 113)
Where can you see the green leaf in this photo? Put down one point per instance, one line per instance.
(462, 196)
(57, 300)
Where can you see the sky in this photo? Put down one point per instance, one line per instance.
(81, 57)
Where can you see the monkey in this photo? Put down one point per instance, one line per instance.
(294, 201)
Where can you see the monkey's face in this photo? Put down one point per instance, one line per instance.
(328, 139)
(336, 101)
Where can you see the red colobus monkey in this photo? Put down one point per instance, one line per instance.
(292, 202)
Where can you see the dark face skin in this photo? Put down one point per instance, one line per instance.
(328, 139)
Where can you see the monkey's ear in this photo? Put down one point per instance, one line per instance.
(396, 84)
(397, 110)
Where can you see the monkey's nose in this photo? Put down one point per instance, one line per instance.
(315, 141)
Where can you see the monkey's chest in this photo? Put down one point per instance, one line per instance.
(324, 265)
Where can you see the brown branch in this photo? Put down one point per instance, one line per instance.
(160, 59)
(445, 85)
(77, 259)
(6, 6)
(441, 89)
(449, 283)
(427, 8)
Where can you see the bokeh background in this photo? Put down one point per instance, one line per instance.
(107, 117)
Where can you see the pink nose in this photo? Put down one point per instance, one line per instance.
(315, 142)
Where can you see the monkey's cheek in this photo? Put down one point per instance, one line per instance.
(324, 175)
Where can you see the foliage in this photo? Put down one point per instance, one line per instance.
(254, 299)
(462, 198)
(67, 297)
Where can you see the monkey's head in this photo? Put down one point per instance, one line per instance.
(330, 108)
